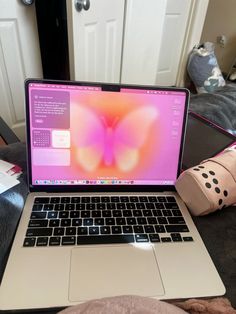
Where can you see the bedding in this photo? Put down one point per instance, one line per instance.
(218, 107)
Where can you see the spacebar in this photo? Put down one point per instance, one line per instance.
(105, 239)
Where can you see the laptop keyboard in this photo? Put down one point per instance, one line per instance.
(61, 221)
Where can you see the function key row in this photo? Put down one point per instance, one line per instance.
(103, 199)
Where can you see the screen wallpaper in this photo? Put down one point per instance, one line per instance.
(83, 135)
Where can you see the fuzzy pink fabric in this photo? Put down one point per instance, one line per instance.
(124, 305)
(141, 305)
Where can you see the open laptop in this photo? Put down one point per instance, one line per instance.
(102, 217)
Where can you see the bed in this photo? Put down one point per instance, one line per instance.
(218, 107)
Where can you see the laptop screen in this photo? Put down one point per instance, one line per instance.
(99, 134)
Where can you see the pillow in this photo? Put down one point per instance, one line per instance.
(203, 68)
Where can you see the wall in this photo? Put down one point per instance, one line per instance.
(220, 20)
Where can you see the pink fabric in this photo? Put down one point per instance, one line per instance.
(124, 305)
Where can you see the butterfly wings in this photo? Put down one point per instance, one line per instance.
(98, 143)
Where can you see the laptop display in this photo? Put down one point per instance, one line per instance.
(90, 134)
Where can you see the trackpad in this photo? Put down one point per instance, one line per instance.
(105, 271)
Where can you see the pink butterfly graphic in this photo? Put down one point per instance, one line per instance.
(119, 143)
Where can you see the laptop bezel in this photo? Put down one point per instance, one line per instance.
(100, 188)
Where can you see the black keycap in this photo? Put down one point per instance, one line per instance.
(159, 205)
(85, 199)
(147, 212)
(127, 213)
(154, 237)
(55, 200)
(42, 241)
(29, 242)
(120, 221)
(105, 230)
(106, 213)
(117, 213)
(36, 223)
(82, 230)
(149, 205)
(116, 229)
(65, 222)
(137, 213)
(48, 207)
(65, 200)
(54, 223)
(59, 207)
(171, 206)
(37, 232)
(171, 199)
(88, 221)
(104, 239)
(160, 229)
(166, 212)
(149, 229)
(110, 221)
(63, 214)
(162, 220)
(93, 230)
(111, 205)
(75, 199)
(59, 231)
(152, 220)
(142, 220)
(115, 199)
(105, 199)
(161, 199)
(41, 200)
(176, 212)
(124, 199)
(38, 215)
(143, 199)
(74, 214)
(85, 214)
(52, 215)
(55, 241)
(70, 240)
(99, 221)
(121, 206)
(130, 206)
(152, 199)
(37, 207)
(77, 222)
(131, 221)
(141, 238)
(177, 228)
(127, 229)
(80, 206)
(176, 220)
(70, 207)
(90, 206)
(166, 239)
(134, 199)
(188, 239)
(96, 199)
(71, 231)
(140, 205)
(176, 237)
(101, 206)
(138, 229)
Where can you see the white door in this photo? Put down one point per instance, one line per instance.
(95, 40)
(19, 59)
(173, 35)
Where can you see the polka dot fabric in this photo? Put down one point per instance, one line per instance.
(209, 186)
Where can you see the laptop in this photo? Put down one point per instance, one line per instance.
(102, 217)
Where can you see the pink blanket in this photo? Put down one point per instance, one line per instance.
(141, 305)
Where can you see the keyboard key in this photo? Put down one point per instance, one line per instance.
(85, 199)
(161, 199)
(104, 239)
(37, 207)
(52, 215)
(138, 229)
(143, 199)
(127, 213)
(74, 214)
(152, 220)
(75, 199)
(37, 232)
(176, 212)
(159, 205)
(48, 207)
(166, 212)
(137, 213)
(105, 199)
(82, 230)
(141, 238)
(41, 200)
(85, 214)
(171, 206)
(176, 220)
(68, 240)
(55, 200)
(29, 242)
(176, 228)
(77, 222)
(42, 241)
(63, 214)
(99, 221)
(65, 200)
(54, 223)
(140, 205)
(38, 215)
(131, 221)
(70, 207)
(105, 230)
(171, 199)
(110, 221)
(166, 239)
(38, 223)
(160, 229)
(142, 220)
(55, 241)
(106, 213)
(96, 199)
(117, 213)
(93, 230)
(154, 237)
(71, 231)
(65, 222)
(149, 205)
(121, 206)
(59, 207)
(59, 231)
(149, 229)
(134, 199)
(116, 229)
(90, 206)
(162, 221)
(88, 221)
(147, 212)
(152, 199)
(176, 237)
(127, 229)
(188, 239)
(80, 206)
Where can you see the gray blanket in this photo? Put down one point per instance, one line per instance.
(218, 107)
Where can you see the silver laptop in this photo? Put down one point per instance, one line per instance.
(102, 217)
